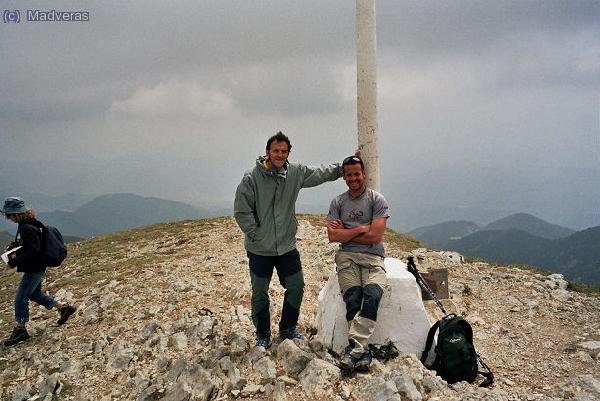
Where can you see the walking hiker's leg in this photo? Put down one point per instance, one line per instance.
(261, 270)
(28, 285)
(289, 271)
(41, 298)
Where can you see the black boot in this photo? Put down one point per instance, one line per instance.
(19, 334)
(364, 362)
(65, 312)
(348, 360)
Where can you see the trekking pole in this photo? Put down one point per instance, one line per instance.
(412, 268)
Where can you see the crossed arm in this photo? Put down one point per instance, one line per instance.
(367, 234)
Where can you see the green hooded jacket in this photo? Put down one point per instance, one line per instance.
(265, 204)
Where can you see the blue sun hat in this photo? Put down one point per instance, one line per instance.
(14, 205)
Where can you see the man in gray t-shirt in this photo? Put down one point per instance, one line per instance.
(357, 220)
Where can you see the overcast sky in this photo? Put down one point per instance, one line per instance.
(483, 106)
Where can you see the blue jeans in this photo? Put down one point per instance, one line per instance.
(30, 289)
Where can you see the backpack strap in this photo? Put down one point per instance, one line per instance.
(36, 223)
(429, 342)
(489, 376)
(430, 336)
(43, 231)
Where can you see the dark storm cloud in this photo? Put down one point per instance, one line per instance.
(478, 100)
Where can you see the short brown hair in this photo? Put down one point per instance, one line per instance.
(279, 137)
(350, 160)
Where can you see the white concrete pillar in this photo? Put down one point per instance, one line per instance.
(366, 84)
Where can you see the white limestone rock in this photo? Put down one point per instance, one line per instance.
(279, 392)
(150, 328)
(407, 388)
(376, 388)
(591, 346)
(266, 370)
(293, 359)
(401, 319)
(318, 376)
(179, 341)
(120, 356)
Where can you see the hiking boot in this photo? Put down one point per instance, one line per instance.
(65, 312)
(290, 334)
(264, 342)
(348, 361)
(364, 362)
(19, 334)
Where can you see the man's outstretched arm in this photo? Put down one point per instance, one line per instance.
(337, 233)
(375, 233)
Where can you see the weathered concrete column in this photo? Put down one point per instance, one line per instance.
(366, 79)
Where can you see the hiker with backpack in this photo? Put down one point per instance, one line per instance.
(29, 259)
(357, 220)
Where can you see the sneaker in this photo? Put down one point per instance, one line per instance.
(65, 312)
(348, 361)
(264, 342)
(364, 362)
(19, 334)
(290, 334)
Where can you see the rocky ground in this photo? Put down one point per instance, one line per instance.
(163, 314)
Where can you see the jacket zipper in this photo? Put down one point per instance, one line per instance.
(274, 219)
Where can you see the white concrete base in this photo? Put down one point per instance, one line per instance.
(401, 319)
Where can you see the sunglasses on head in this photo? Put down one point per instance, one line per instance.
(351, 160)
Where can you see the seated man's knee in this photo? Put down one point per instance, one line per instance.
(372, 294)
(353, 298)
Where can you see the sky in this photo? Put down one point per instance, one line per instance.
(485, 108)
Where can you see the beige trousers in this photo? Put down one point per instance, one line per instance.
(359, 270)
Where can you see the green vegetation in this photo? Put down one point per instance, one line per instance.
(385, 352)
(317, 220)
(400, 241)
(584, 288)
(522, 266)
(115, 256)
(467, 290)
(474, 259)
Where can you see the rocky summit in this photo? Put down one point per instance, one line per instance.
(163, 314)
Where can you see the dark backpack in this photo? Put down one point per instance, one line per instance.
(455, 356)
(54, 249)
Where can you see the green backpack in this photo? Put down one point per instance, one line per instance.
(455, 356)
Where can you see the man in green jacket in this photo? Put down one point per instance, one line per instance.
(264, 209)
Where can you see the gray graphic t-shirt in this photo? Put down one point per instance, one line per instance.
(354, 212)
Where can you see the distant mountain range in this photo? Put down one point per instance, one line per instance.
(530, 224)
(438, 235)
(522, 238)
(115, 212)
